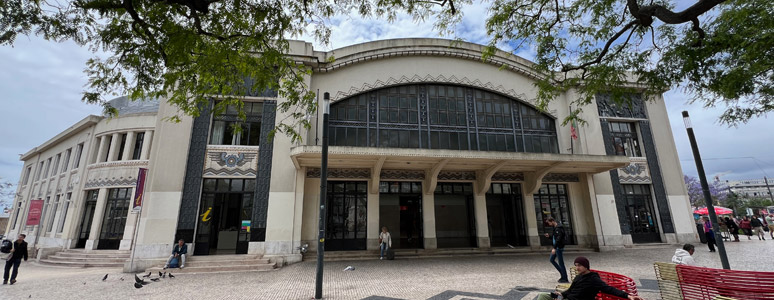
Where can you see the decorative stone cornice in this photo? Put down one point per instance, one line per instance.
(122, 163)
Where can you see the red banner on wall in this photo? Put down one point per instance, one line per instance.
(139, 191)
(36, 209)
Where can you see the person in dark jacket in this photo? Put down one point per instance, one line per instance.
(732, 228)
(557, 242)
(586, 286)
(19, 251)
(178, 251)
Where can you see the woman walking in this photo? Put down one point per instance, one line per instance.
(746, 227)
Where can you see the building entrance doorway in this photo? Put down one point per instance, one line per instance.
(346, 216)
(505, 215)
(225, 216)
(400, 209)
(455, 224)
(640, 212)
(88, 217)
(114, 219)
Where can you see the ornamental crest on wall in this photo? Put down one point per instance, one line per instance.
(230, 161)
(635, 172)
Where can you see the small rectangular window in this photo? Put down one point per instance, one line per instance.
(119, 155)
(138, 140)
(66, 162)
(56, 164)
(107, 147)
(48, 166)
(78, 153)
(27, 175)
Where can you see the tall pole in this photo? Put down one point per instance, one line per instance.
(323, 197)
(713, 217)
(766, 180)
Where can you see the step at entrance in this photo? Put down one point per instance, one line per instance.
(219, 263)
(80, 258)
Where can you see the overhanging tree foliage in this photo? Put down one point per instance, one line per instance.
(189, 50)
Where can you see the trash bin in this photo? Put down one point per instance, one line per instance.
(700, 230)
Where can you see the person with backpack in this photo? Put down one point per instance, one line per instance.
(19, 251)
(178, 252)
(558, 238)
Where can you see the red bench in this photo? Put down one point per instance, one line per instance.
(615, 280)
(706, 283)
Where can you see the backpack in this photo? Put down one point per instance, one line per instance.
(7, 246)
(174, 263)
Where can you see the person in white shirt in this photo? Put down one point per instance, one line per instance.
(385, 242)
(683, 256)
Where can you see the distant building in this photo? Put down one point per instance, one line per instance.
(751, 188)
(445, 149)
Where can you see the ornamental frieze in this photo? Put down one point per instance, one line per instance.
(561, 177)
(340, 173)
(508, 176)
(457, 175)
(403, 174)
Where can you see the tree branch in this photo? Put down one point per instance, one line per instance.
(604, 50)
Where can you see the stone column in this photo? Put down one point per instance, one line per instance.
(131, 222)
(96, 223)
(102, 150)
(146, 143)
(482, 224)
(532, 229)
(129, 147)
(428, 217)
(114, 144)
(372, 227)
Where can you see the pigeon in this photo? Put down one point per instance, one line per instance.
(146, 275)
(171, 276)
(103, 278)
(137, 279)
(137, 285)
(349, 268)
(165, 275)
(155, 279)
(160, 275)
(122, 279)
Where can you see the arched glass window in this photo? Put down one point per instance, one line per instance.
(437, 116)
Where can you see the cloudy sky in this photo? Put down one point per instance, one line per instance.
(41, 84)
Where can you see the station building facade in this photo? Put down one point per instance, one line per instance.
(444, 149)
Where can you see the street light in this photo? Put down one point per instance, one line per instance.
(323, 198)
(705, 188)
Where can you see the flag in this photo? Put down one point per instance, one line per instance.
(574, 130)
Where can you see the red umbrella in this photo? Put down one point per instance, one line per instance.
(718, 210)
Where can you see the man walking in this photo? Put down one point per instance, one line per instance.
(557, 241)
(757, 227)
(709, 233)
(586, 285)
(770, 221)
(19, 251)
(732, 228)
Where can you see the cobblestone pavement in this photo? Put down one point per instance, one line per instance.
(493, 277)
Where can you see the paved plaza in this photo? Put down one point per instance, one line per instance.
(492, 277)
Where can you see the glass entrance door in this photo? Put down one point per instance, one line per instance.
(505, 215)
(551, 201)
(400, 210)
(114, 219)
(225, 216)
(639, 210)
(455, 224)
(346, 216)
(88, 217)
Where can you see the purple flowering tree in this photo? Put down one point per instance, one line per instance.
(718, 191)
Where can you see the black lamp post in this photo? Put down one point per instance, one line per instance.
(323, 198)
(705, 188)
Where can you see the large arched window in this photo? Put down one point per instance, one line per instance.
(437, 116)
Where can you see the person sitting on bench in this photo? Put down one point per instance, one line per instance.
(178, 251)
(586, 285)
